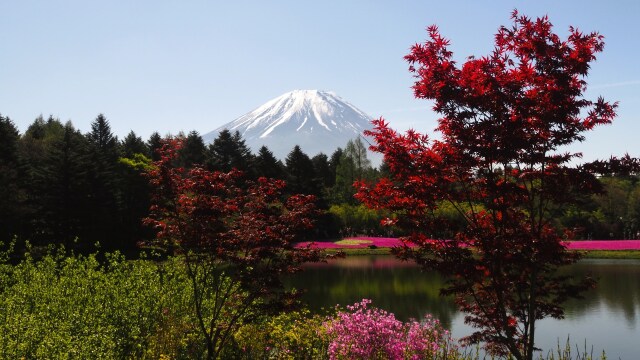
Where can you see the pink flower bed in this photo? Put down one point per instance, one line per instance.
(365, 242)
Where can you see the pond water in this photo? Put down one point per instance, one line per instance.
(608, 318)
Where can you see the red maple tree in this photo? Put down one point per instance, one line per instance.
(237, 239)
(505, 119)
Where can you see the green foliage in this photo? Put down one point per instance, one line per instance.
(302, 176)
(83, 307)
(133, 144)
(358, 219)
(99, 306)
(612, 214)
(138, 162)
(352, 166)
(265, 164)
(193, 151)
(228, 151)
(154, 144)
(292, 335)
(10, 179)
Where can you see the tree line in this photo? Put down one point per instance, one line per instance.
(58, 185)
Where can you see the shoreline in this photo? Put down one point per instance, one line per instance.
(587, 254)
(591, 249)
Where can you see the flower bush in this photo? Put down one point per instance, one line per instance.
(362, 332)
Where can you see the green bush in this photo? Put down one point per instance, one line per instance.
(76, 306)
(291, 335)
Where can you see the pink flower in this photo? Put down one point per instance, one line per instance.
(364, 333)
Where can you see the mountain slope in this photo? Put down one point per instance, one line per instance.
(318, 121)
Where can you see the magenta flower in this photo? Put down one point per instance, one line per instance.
(370, 333)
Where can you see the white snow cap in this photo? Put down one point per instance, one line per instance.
(317, 120)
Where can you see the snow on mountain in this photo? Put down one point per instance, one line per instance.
(318, 121)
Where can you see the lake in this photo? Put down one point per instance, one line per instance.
(608, 318)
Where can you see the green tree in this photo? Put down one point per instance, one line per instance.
(353, 166)
(135, 200)
(322, 169)
(192, 152)
(228, 151)
(11, 191)
(301, 177)
(63, 188)
(154, 143)
(104, 183)
(265, 164)
(34, 151)
(133, 144)
(334, 161)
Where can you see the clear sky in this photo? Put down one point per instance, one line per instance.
(167, 66)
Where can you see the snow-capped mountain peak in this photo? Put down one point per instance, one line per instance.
(305, 110)
(318, 121)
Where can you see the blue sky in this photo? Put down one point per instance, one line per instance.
(194, 65)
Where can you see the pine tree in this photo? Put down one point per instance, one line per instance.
(133, 144)
(266, 165)
(228, 151)
(64, 188)
(104, 183)
(301, 177)
(10, 189)
(192, 152)
(33, 148)
(154, 143)
(322, 169)
(334, 161)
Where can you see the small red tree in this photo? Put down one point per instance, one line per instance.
(237, 239)
(505, 118)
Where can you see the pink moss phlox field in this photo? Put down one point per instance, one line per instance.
(393, 242)
(370, 333)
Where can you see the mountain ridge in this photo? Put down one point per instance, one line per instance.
(316, 120)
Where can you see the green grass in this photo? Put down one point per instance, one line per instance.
(360, 251)
(611, 254)
(353, 242)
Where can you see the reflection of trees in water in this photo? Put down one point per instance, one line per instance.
(410, 293)
(618, 287)
(403, 290)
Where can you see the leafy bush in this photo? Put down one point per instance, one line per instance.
(75, 306)
(291, 335)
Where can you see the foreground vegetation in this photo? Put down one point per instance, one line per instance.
(104, 307)
(61, 305)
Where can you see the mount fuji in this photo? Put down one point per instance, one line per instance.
(317, 121)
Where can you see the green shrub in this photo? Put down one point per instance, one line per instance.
(79, 307)
(291, 335)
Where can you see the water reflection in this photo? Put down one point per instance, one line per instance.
(607, 318)
(618, 288)
(399, 287)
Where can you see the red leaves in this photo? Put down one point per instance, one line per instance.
(245, 224)
(504, 118)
